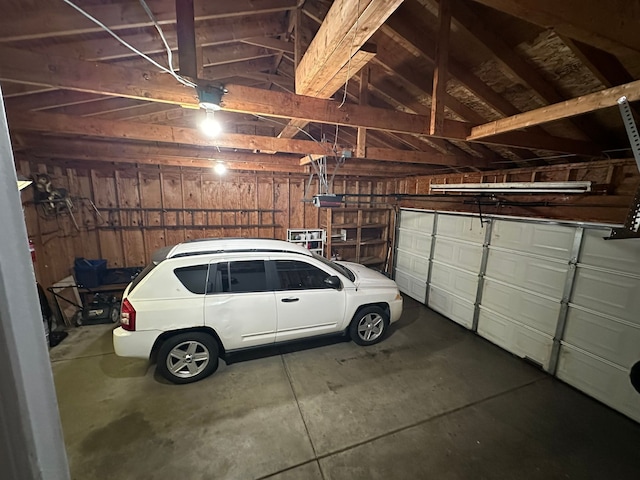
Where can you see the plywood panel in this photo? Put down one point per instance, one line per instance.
(281, 203)
(133, 244)
(103, 185)
(264, 200)
(150, 197)
(192, 198)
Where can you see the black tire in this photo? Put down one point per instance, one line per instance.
(188, 357)
(114, 314)
(369, 326)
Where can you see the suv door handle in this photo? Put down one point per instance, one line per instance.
(289, 300)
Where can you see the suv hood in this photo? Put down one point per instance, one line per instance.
(367, 277)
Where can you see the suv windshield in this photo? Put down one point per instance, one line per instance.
(342, 270)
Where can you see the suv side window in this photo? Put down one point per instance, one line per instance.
(296, 275)
(194, 278)
(240, 277)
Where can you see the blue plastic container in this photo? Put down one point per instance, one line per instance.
(89, 273)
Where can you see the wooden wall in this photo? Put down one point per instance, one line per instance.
(145, 208)
(614, 181)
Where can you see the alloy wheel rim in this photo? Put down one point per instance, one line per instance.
(188, 359)
(370, 327)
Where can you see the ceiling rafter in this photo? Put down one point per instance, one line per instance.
(516, 65)
(62, 20)
(609, 26)
(568, 108)
(336, 53)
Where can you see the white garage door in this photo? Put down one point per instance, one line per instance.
(413, 250)
(558, 295)
(456, 262)
(602, 334)
(526, 273)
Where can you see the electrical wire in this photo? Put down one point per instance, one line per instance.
(182, 80)
(346, 83)
(161, 33)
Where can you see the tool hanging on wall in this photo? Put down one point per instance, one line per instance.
(54, 201)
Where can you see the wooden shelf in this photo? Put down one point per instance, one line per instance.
(368, 232)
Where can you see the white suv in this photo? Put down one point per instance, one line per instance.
(203, 299)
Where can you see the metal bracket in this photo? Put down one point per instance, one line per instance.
(631, 227)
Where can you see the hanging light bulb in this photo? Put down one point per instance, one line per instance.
(220, 168)
(209, 125)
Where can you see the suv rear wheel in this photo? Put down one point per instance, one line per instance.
(188, 357)
(369, 326)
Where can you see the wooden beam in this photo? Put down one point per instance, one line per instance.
(59, 72)
(412, 156)
(28, 67)
(63, 20)
(584, 104)
(186, 29)
(225, 54)
(440, 73)
(64, 148)
(94, 127)
(215, 33)
(239, 69)
(346, 28)
(363, 99)
(121, 152)
(328, 88)
(271, 43)
(609, 26)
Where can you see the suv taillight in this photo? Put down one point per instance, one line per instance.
(128, 316)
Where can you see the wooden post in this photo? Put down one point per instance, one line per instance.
(440, 72)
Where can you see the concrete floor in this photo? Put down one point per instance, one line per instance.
(431, 401)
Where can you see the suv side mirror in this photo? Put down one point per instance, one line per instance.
(333, 282)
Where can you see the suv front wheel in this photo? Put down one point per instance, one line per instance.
(188, 357)
(369, 326)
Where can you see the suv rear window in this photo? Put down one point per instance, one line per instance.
(138, 278)
(194, 278)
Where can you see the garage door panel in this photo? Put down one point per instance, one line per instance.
(462, 255)
(537, 312)
(414, 220)
(516, 338)
(532, 273)
(412, 264)
(460, 227)
(452, 307)
(602, 336)
(414, 287)
(600, 379)
(611, 294)
(460, 283)
(620, 255)
(415, 243)
(548, 240)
